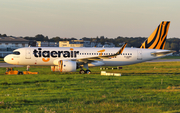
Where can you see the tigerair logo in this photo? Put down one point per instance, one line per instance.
(54, 54)
(46, 59)
(101, 52)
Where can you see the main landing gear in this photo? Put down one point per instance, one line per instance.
(85, 72)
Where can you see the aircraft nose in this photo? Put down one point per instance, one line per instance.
(7, 59)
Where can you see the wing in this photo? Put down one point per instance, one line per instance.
(98, 58)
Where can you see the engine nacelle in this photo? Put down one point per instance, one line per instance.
(64, 66)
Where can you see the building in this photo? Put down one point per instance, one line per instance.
(32, 43)
(8, 44)
(73, 43)
(108, 44)
(97, 44)
(46, 44)
(88, 44)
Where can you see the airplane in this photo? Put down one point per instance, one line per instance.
(68, 59)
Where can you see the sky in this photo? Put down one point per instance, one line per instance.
(88, 18)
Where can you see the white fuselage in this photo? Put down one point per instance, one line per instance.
(47, 55)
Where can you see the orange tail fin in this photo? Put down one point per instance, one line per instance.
(157, 39)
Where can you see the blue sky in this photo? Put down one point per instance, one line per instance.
(88, 18)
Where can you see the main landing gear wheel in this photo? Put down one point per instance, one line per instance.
(88, 71)
(84, 72)
(81, 71)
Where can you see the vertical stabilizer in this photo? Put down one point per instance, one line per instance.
(157, 39)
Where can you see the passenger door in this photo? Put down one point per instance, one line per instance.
(28, 54)
(139, 55)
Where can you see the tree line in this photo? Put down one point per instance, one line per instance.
(171, 43)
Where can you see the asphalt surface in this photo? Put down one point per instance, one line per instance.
(9, 65)
(156, 60)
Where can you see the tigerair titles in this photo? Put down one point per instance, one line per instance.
(47, 54)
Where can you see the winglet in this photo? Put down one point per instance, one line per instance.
(157, 39)
(114, 55)
(121, 50)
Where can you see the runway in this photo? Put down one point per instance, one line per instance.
(9, 65)
(156, 60)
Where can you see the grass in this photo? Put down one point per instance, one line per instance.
(171, 57)
(144, 87)
(1, 60)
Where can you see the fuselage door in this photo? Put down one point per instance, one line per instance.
(139, 55)
(28, 54)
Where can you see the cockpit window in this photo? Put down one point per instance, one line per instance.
(16, 53)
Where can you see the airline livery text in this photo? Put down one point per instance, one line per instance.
(54, 54)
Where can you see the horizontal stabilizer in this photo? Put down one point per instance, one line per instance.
(162, 53)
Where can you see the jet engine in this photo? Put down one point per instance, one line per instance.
(64, 66)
